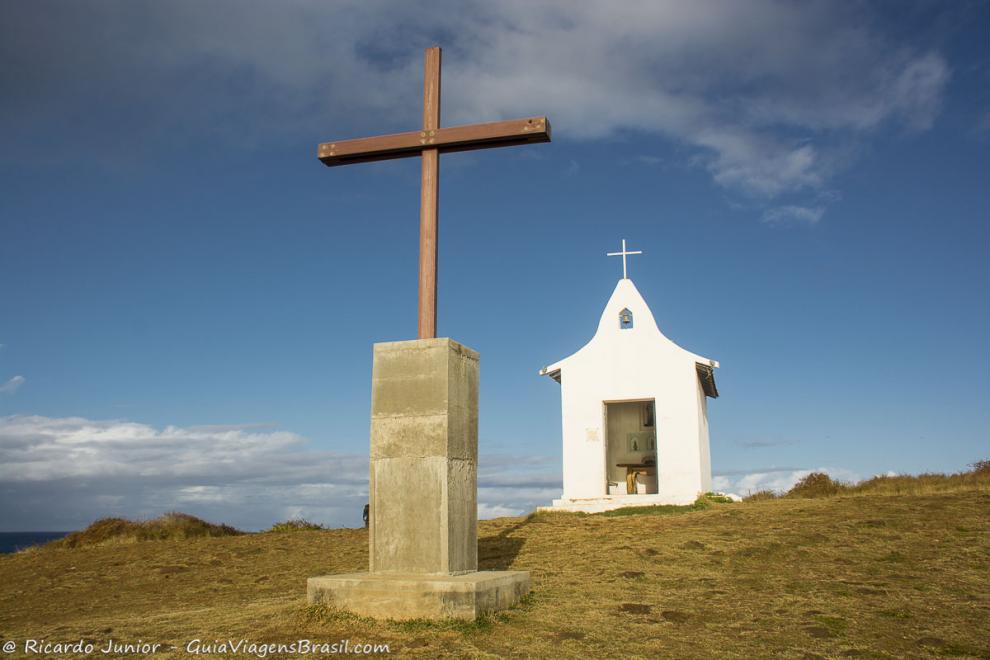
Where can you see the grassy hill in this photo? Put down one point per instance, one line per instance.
(857, 573)
(171, 526)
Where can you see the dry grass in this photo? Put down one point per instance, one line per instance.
(925, 484)
(847, 575)
(819, 484)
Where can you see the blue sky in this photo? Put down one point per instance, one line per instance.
(189, 297)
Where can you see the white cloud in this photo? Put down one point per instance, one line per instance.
(915, 92)
(487, 511)
(791, 214)
(764, 94)
(12, 385)
(201, 494)
(762, 90)
(65, 472)
(775, 479)
(511, 485)
(62, 473)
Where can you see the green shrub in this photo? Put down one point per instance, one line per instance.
(816, 484)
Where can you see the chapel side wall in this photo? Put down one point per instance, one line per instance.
(584, 462)
(704, 448)
(566, 464)
(678, 456)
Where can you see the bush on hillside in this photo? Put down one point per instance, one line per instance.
(172, 525)
(816, 484)
(295, 525)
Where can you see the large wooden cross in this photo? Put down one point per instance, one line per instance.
(429, 143)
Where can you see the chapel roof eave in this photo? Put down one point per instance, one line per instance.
(706, 375)
(553, 371)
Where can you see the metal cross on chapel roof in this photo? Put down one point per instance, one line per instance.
(623, 254)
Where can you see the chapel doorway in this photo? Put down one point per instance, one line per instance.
(631, 447)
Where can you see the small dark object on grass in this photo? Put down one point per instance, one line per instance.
(569, 634)
(635, 608)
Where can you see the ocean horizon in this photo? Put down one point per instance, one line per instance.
(14, 541)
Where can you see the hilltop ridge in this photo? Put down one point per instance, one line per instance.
(848, 574)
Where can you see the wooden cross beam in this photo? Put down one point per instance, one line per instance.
(429, 143)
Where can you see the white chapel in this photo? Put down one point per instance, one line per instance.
(635, 412)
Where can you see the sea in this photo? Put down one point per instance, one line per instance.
(14, 541)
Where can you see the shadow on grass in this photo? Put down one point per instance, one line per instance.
(499, 551)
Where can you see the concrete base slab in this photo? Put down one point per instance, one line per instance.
(610, 502)
(415, 596)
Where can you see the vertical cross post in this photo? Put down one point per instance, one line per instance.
(429, 198)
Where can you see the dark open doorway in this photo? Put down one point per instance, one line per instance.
(631, 447)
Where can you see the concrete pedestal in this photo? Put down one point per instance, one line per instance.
(423, 557)
(417, 596)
